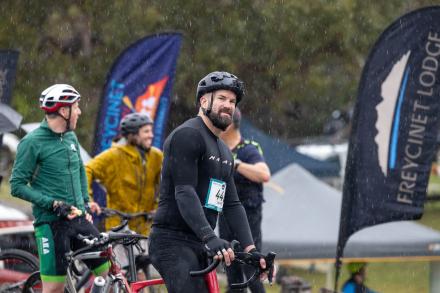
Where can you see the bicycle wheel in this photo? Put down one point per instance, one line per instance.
(15, 267)
(33, 284)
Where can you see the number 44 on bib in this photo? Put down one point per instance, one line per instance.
(216, 195)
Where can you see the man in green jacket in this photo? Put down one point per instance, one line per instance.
(49, 173)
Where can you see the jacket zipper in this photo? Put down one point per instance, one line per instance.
(142, 178)
(70, 173)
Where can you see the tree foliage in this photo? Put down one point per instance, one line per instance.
(300, 59)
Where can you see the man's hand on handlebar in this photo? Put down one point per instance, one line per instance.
(263, 265)
(222, 249)
(256, 255)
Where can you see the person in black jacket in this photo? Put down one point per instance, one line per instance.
(251, 172)
(197, 184)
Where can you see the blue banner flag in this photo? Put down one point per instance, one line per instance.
(8, 65)
(140, 80)
(395, 126)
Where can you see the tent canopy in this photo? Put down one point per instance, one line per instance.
(279, 154)
(301, 221)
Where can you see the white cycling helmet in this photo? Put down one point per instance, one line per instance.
(57, 96)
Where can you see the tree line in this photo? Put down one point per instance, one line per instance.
(300, 59)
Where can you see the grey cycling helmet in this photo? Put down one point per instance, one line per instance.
(133, 121)
(220, 80)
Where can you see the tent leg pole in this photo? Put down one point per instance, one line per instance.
(329, 277)
(434, 276)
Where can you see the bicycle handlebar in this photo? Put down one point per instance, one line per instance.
(129, 216)
(125, 217)
(206, 270)
(106, 238)
(247, 259)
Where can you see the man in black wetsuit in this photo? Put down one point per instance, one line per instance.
(197, 184)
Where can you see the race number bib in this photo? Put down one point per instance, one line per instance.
(216, 195)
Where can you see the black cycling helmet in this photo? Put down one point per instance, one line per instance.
(133, 121)
(220, 80)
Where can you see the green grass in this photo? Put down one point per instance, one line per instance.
(399, 277)
(434, 185)
(402, 277)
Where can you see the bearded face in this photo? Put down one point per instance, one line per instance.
(222, 119)
(223, 106)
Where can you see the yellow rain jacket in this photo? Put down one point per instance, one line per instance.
(131, 186)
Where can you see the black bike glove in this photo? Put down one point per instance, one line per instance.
(62, 209)
(256, 255)
(270, 258)
(216, 245)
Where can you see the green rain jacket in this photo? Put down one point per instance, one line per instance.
(48, 167)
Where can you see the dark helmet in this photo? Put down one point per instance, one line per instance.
(133, 121)
(220, 80)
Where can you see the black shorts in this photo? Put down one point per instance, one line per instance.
(174, 254)
(55, 239)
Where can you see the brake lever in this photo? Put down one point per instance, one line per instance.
(235, 245)
(270, 260)
(246, 258)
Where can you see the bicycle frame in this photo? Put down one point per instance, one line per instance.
(134, 287)
(84, 256)
(115, 274)
(212, 282)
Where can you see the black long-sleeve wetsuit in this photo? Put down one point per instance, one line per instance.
(196, 164)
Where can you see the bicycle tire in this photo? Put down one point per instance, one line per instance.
(23, 255)
(19, 264)
(33, 284)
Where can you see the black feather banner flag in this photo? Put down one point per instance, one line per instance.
(395, 126)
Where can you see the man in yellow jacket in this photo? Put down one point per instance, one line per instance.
(129, 171)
